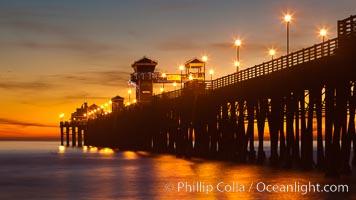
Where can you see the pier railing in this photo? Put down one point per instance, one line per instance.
(296, 58)
(347, 27)
(169, 95)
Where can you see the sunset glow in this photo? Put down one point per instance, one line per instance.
(56, 55)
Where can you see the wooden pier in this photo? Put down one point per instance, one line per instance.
(73, 131)
(304, 96)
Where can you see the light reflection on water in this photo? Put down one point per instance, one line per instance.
(42, 173)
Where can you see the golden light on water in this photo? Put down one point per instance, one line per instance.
(129, 155)
(106, 151)
(143, 153)
(61, 149)
(93, 149)
(85, 148)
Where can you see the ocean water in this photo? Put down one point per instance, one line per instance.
(39, 170)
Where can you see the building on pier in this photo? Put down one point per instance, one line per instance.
(194, 68)
(117, 104)
(81, 114)
(143, 77)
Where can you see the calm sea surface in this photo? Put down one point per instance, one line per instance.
(38, 170)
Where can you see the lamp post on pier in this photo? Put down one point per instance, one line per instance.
(61, 116)
(237, 65)
(163, 79)
(237, 62)
(211, 72)
(272, 52)
(323, 33)
(204, 58)
(287, 19)
(129, 92)
(181, 68)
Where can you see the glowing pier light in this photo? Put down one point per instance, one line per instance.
(287, 18)
(61, 116)
(323, 32)
(272, 52)
(238, 42)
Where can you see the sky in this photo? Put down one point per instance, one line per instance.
(55, 55)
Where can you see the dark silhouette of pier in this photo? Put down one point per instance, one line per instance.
(291, 97)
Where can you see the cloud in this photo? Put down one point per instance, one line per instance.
(101, 77)
(85, 96)
(38, 30)
(112, 78)
(22, 123)
(178, 6)
(79, 45)
(25, 85)
(221, 45)
(185, 43)
(178, 44)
